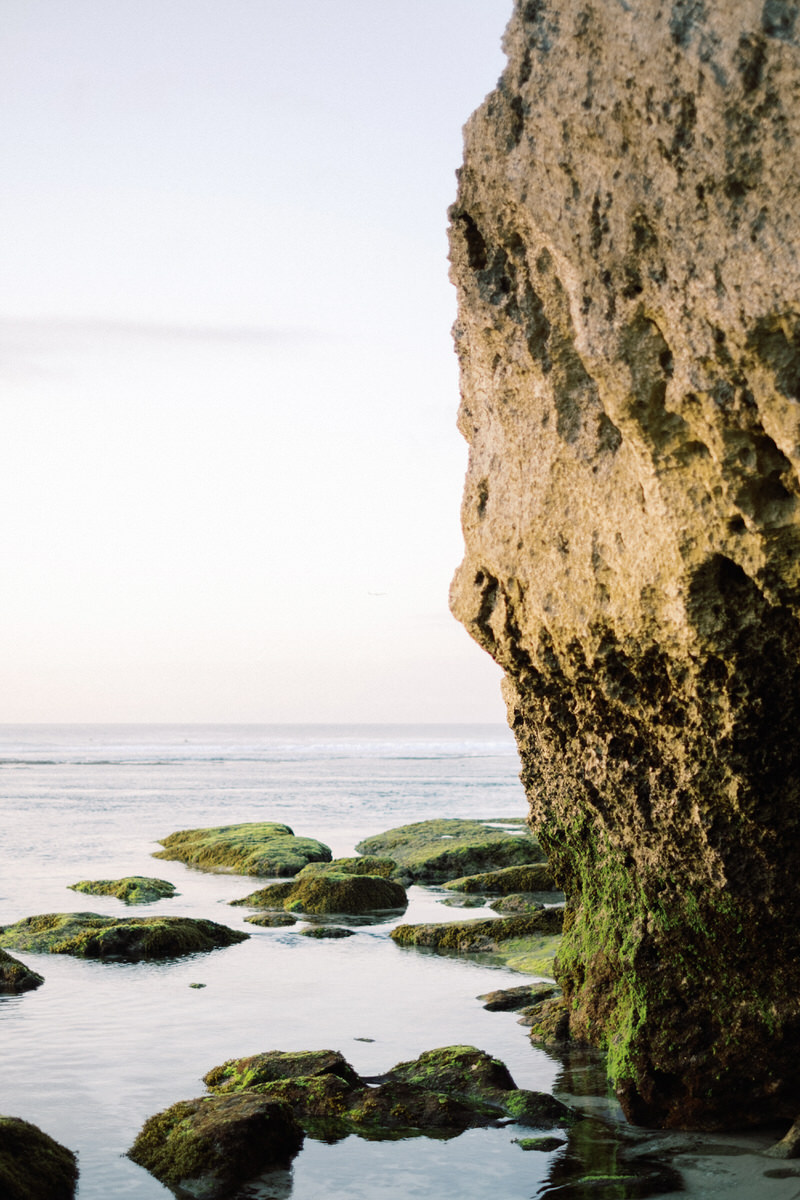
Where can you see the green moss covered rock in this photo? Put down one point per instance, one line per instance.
(271, 920)
(468, 1074)
(259, 848)
(327, 890)
(530, 877)
(367, 864)
(445, 1091)
(435, 851)
(327, 932)
(132, 939)
(517, 903)
(517, 998)
(16, 977)
(524, 943)
(210, 1146)
(133, 889)
(33, 1166)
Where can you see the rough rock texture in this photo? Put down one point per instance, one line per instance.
(131, 939)
(33, 1166)
(625, 247)
(16, 977)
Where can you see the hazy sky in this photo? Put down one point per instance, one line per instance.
(229, 471)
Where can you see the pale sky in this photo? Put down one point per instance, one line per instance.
(230, 476)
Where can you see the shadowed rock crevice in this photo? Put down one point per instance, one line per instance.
(624, 244)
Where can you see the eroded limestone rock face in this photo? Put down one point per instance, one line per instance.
(625, 247)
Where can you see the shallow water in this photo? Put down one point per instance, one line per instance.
(102, 1046)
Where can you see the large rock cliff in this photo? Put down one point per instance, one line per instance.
(625, 246)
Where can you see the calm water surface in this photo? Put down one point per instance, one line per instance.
(102, 1046)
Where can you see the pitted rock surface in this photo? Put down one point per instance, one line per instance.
(625, 247)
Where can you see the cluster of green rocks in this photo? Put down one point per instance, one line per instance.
(260, 1108)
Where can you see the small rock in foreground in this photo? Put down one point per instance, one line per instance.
(133, 889)
(132, 939)
(33, 1166)
(16, 977)
(210, 1146)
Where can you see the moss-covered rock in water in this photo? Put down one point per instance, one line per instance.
(514, 999)
(367, 864)
(32, 1165)
(271, 920)
(326, 890)
(260, 848)
(446, 1092)
(323, 932)
(469, 1074)
(16, 977)
(211, 1146)
(523, 943)
(87, 935)
(530, 877)
(434, 851)
(133, 889)
(518, 903)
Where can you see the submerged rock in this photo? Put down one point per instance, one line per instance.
(523, 943)
(33, 1166)
(132, 939)
(259, 848)
(519, 902)
(271, 920)
(531, 877)
(323, 932)
(210, 1146)
(443, 1092)
(133, 889)
(625, 245)
(16, 977)
(434, 851)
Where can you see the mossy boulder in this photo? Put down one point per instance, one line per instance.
(133, 889)
(132, 939)
(16, 977)
(271, 920)
(33, 1166)
(259, 848)
(517, 903)
(468, 1074)
(211, 1146)
(330, 891)
(438, 850)
(530, 877)
(517, 998)
(445, 1091)
(327, 932)
(524, 943)
(367, 864)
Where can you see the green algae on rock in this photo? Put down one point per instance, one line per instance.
(131, 939)
(367, 864)
(33, 1166)
(210, 1146)
(530, 877)
(324, 889)
(442, 1093)
(437, 850)
(271, 920)
(324, 932)
(258, 848)
(16, 977)
(133, 889)
(514, 999)
(523, 943)
(517, 903)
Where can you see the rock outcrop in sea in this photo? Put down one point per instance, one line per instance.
(625, 247)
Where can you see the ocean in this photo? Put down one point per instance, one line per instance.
(102, 1046)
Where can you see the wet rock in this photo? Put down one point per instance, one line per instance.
(16, 977)
(625, 247)
(460, 901)
(445, 1091)
(259, 848)
(434, 851)
(33, 1166)
(531, 877)
(133, 889)
(514, 999)
(327, 931)
(271, 920)
(517, 902)
(131, 939)
(367, 864)
(210, 1146)
(331, 891)
(788, 1146)
(525, 943)
(540, 1143)
(469, 1074)
(549, 1023)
